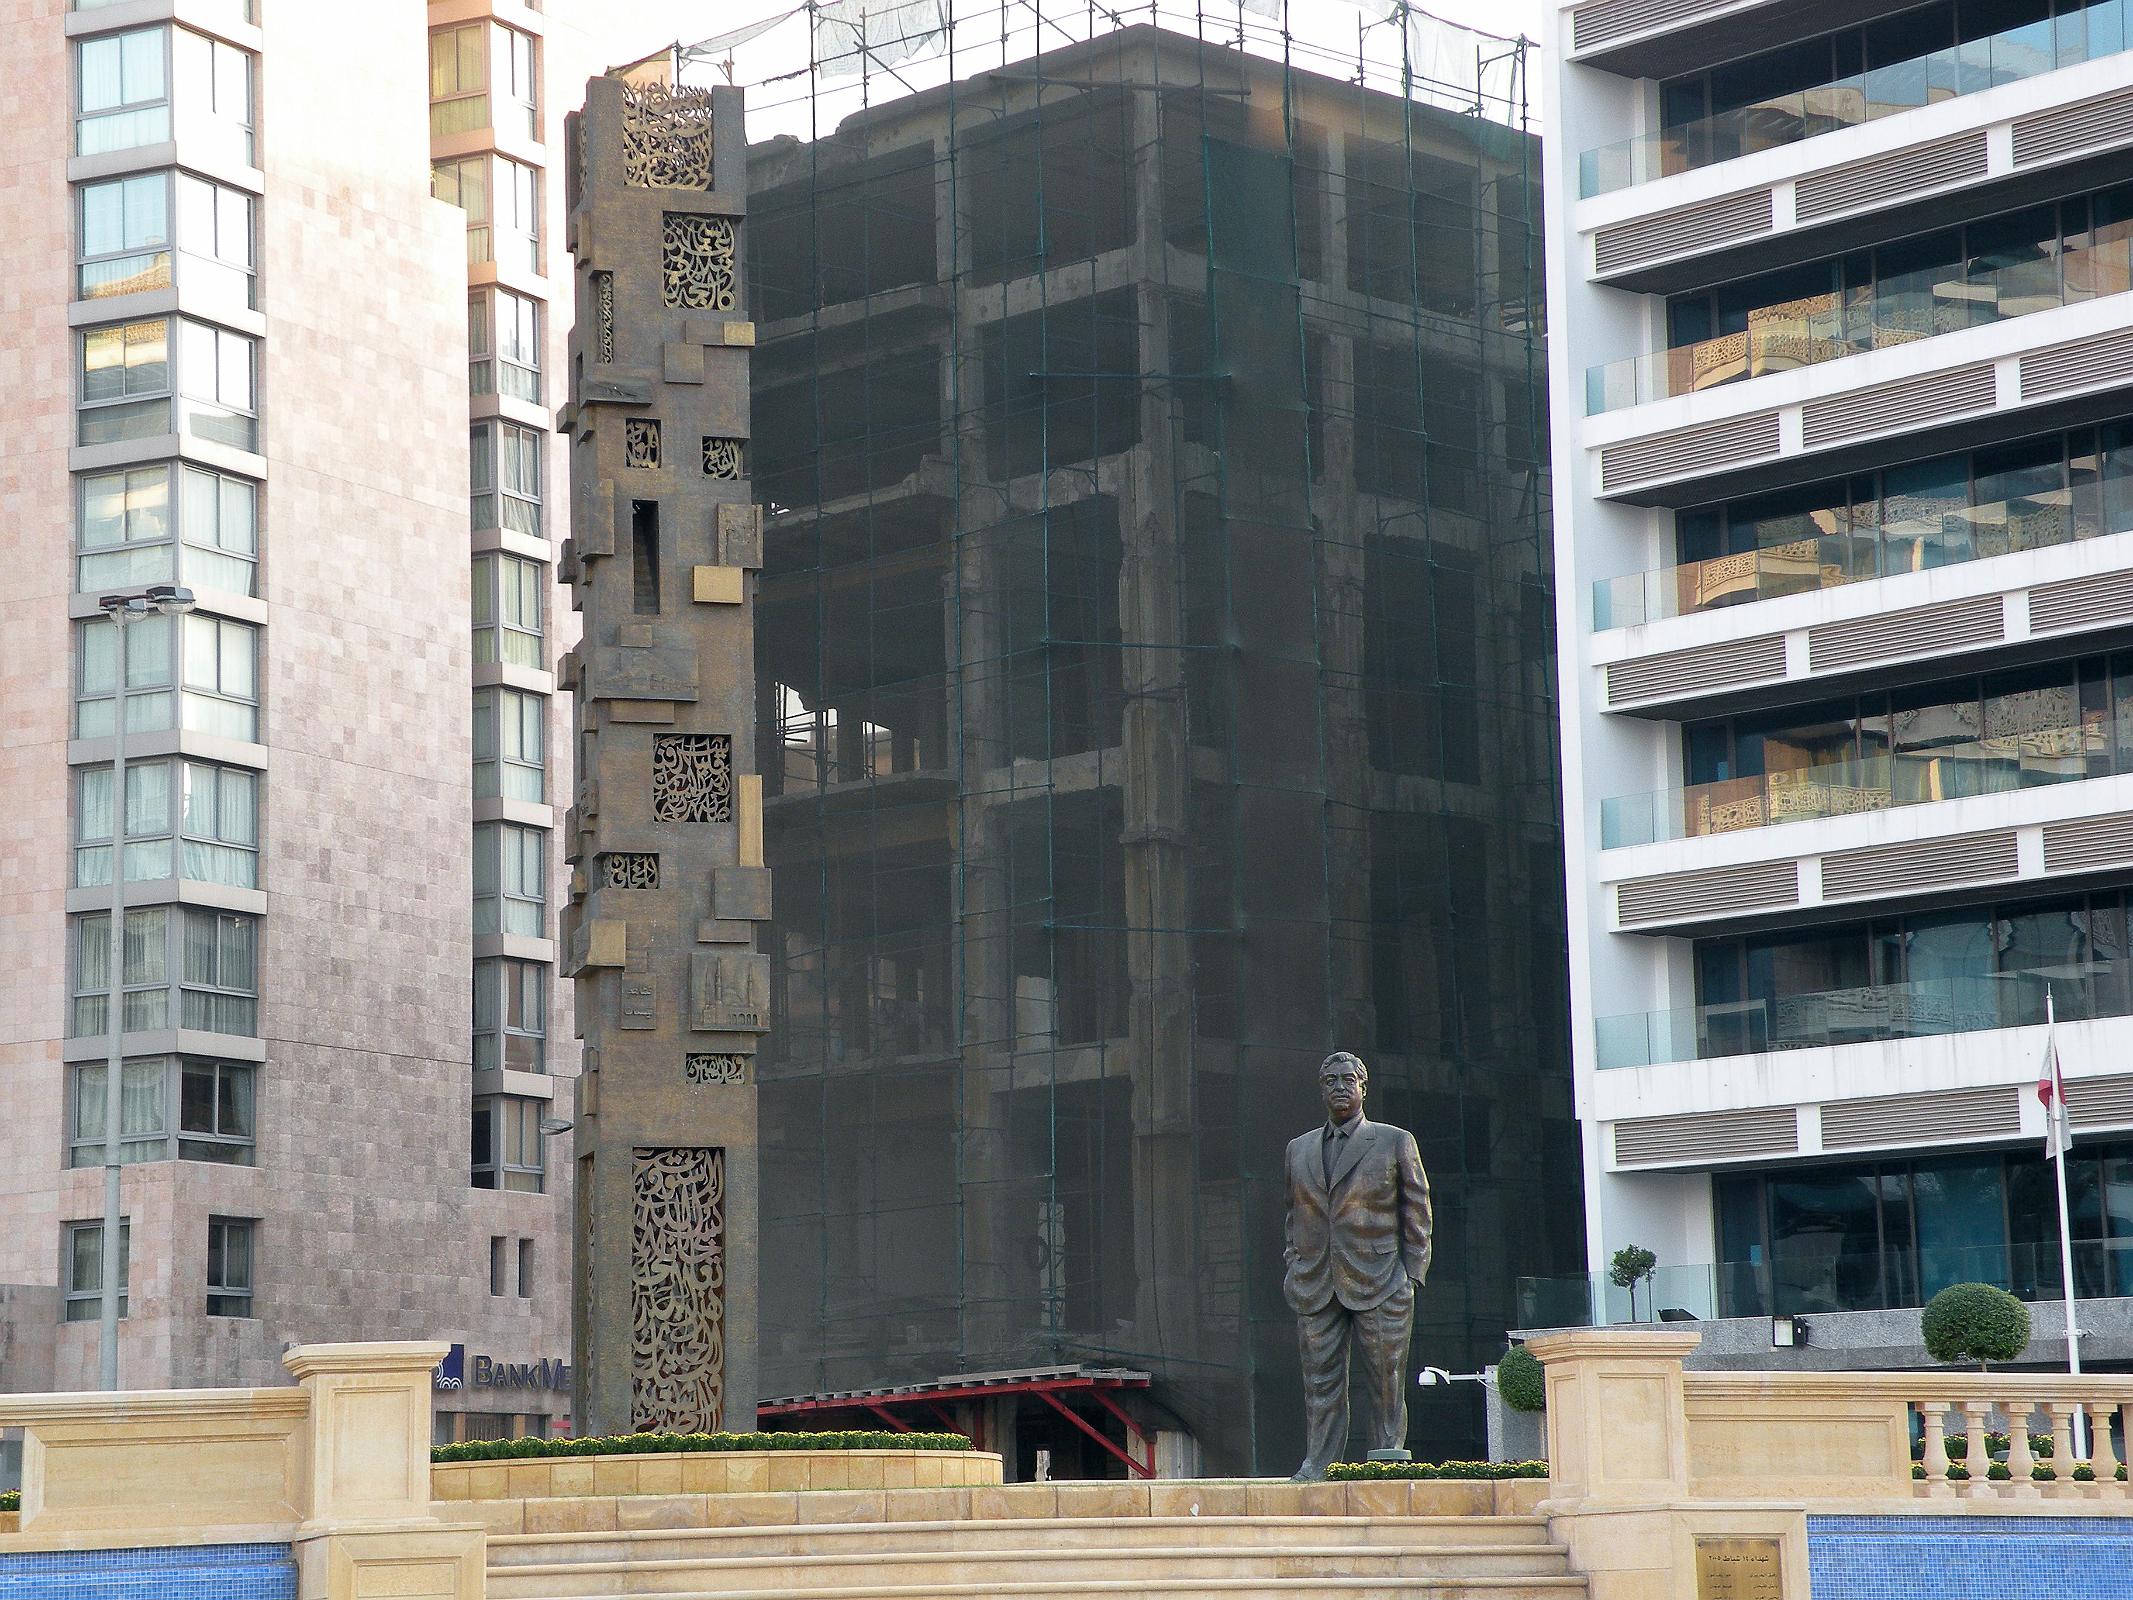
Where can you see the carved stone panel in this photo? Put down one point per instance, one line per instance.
(692, 777)
(640, 441)
(645, 672)
(697, 260)
(678, 1290)
(705, 1068)
(722, 458)
(630, 869)
(604, 315)
(640, 1003)
(732, 991)
(666, 137)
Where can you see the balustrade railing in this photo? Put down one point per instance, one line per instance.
(2019, 1435)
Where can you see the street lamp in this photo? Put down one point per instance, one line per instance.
(169, 600)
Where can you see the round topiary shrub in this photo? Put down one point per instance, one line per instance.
(1975, 1322)
(1519, 1380)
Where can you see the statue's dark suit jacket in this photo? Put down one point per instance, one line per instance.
(1359, 1239)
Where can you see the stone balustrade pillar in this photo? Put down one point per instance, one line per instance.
(1617, 1420)
(369, 1528)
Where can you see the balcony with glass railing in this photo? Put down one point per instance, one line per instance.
(2034, 758)
(2009, 56)
(1902, 309)
(1864, 1014)
(1888, 549)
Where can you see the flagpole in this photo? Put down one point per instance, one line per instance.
(2056, 1135)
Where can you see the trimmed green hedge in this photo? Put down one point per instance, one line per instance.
(1442, 1471)
(663, 1444)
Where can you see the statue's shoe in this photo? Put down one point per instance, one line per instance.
(1309, 1472)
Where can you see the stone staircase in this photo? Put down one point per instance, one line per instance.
(1062, 1557)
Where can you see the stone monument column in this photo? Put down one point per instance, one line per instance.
(666, 836)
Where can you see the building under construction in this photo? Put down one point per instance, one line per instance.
(1156, 691)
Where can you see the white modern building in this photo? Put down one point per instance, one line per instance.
(1841, 368)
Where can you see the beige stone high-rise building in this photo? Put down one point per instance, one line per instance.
(246, 351)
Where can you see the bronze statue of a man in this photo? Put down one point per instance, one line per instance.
(1358, 1249)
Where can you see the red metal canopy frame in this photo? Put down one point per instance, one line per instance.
(1053, 1387)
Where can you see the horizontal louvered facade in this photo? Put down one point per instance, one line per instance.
(1848, 764)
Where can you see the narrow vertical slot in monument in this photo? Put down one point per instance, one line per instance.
(665, 837)
(644, 556)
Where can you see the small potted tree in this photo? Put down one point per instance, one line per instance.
(1975, 1322)
(1632, 1265)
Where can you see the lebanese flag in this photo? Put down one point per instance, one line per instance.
(2051, 1089)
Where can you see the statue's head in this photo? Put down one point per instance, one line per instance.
(1343, 1080)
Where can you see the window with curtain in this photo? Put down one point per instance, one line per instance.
(508, 608)
(518, 345)
(148, 845)
(122, 524)
(145, 959)
(508, 743)
(125, 236)
(125, 382)
(508, 1147)
(219, 824)
(506, 457)
(459, 102)
(218, 982)
(213, 1119)
(84, 1265)
(511, 1015)
(143, 1126)
(219, 523)
(510, 880)
(207, 956)
(519, 464)
(219, 677)
(122, 89)
(465, 184)
(125, 521)
(186, 819)
(149, 661)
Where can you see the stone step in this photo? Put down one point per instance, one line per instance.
(1317, 1587)
(955, 1537)
(1154, 1566)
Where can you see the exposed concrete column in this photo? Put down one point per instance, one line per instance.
(1343, 563)
(1159, 1036)
(976, 719)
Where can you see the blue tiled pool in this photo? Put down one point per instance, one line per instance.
(1969, 1558)
(190, 1572)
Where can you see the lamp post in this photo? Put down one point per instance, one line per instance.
(167, 600)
